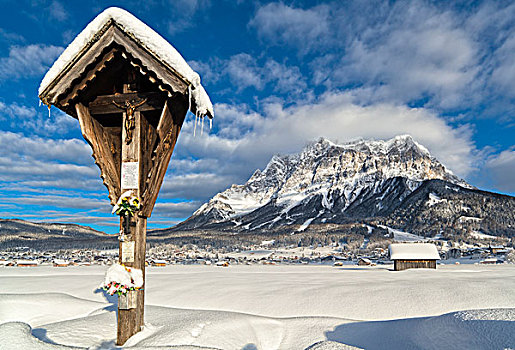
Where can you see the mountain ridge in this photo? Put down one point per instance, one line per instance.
(364, 181)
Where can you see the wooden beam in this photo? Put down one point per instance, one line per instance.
(106, 150)
(165, 73)
(148, 138)
(105, 104)
(91, 75)
(77, 67)
(168, 129)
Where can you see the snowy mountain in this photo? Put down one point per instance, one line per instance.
(330, 172)
(326, 183)
(21, 233)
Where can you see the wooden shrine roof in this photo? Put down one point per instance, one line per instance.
(112, 32)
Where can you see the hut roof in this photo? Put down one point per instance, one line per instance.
(27, 262)
(151, 41)
(413, 251)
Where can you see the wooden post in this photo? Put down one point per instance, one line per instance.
(130, 321)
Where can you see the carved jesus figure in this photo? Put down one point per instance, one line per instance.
(130, 108)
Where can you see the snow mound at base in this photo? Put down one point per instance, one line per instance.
(474, 329)
(185, 329)
(33, 308)
(169, 327)
(331, 345)
(18, 335)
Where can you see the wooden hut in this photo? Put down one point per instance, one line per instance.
(365, 262)
(27, 263)
(158, 262)
(61, 263)
(413, 255)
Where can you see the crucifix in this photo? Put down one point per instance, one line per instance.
(130, 96)
(130, 108)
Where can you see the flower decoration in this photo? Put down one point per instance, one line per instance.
(127, 204)
(119, 279)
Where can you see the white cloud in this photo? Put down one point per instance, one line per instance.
(335, 116)
(403, 52)
(57, 11)
(182, 13)
(10, 36)
(501, 168)
(198, 186)
(28, 61)
(59, 201)
(18, 146)
(38, 121)
(433, 59)
(503, 74)
(281, 24)
(245, 71)
(175, 210)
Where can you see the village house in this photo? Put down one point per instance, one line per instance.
(365, 262)
(61, 263)
(413, 255)
(158, 262)
(27, 263)
(497, 249)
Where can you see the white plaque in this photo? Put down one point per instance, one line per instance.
(128, 251)
(130, 175)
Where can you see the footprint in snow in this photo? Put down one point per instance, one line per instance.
(195, 332)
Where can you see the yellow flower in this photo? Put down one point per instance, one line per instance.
(134, 202)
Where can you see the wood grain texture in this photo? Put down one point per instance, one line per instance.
(130, 321)
(105, 148)
(88, 78)
(165, 73)
(168, 129)
(77, 67)
(104, 104)
(111, 35)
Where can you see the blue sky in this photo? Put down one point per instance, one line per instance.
(280, 74)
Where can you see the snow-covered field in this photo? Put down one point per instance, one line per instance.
(266, 307)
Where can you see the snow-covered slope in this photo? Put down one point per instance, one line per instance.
(325, 178)
(265, 307)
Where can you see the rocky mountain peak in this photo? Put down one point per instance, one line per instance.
(335, 174)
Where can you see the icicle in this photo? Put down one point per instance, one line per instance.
(210, 123)
(39, 103)
(195, 128)
(189, 97)
(202, 127)
(48, 111)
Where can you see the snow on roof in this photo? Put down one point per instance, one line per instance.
(61, 262)
(145, 36)
(27, 262)
(407, 251)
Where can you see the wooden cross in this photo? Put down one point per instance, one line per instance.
(131, 106)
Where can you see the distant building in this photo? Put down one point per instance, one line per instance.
(27, 263)
(413, 255)
(157, 262)
(61, 263)
(365, 262)
(496, 249)
(489, 261)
